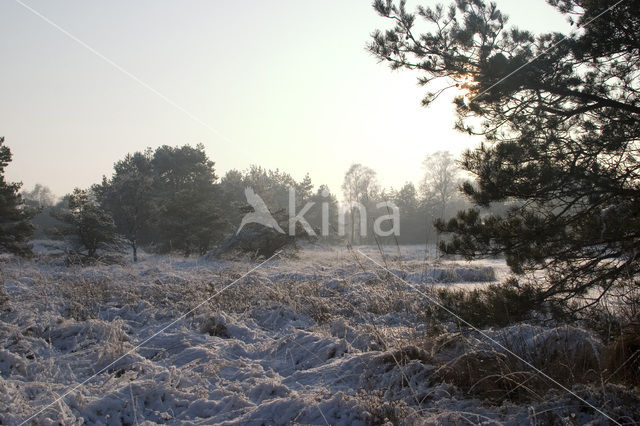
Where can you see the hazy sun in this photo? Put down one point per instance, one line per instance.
(465, 85)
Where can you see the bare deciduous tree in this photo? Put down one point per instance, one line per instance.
(39, 197)
(360, 185)
(441, 181)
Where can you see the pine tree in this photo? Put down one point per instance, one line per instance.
(128, 197)
(15, 227)
(187, 216)
(86, 221)
(561, 121)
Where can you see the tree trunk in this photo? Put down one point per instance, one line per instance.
(353, 224)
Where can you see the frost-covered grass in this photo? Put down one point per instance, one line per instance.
(321, 338)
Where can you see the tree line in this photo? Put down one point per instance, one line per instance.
(171, 200)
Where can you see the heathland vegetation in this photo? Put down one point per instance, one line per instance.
(509, 295)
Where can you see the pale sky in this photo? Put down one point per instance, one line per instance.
(284, 84)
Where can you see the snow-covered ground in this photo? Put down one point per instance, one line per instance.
(326, 337)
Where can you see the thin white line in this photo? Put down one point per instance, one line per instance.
(125, 72)
(540, 54)
(149, 338)
(322, 414)
(430, 299)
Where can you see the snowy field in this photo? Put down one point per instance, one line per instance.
(325, 337)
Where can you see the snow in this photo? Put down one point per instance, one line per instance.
(313, 339)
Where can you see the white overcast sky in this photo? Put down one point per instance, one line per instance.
(285, 84)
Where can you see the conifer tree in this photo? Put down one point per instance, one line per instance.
(128, 196)
(560, 117)
(15, 227)
(86, 222)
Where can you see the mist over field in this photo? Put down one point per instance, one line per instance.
(224, 214)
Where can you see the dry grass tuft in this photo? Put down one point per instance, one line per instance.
(406, 354)
(381, 410)
(622, 356)
(495, 375)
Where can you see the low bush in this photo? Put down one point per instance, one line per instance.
(495, 305)
(254, 241)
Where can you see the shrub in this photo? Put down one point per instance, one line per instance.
(496, 305)
(86, 223)
(255, 241)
